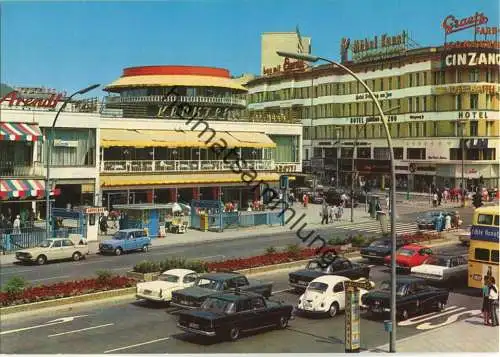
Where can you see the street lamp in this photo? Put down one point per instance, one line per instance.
(311, 58)
(461, 127)
(48, 146)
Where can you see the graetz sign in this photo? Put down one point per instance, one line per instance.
(15, 99)
(451, 24)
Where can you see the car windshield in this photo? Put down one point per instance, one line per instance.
(406, 252)
(440, 261)
(400, 287)
(208, 284)
(120, 235)
(168, 278)
(45, 244)
(317, 286)
(314, 266)
(219, 305)
(380, 243)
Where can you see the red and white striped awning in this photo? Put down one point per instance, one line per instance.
(23, 189)
(19, 132)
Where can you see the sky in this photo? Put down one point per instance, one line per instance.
(69, 45)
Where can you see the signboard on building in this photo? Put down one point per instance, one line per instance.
(452, 24)
(472, 45)
(169, 111)
(372, 119)
(287, 66)
(352, 319)
(473, 115)
(471, 59)
(286, 168)
(462, 89)
(19, 99)
(66, 143)
(376, 48)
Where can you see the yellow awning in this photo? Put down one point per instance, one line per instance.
(138, 180)
(175, 81)
(173, 139)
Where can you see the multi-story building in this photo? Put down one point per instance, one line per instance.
(26, 116)
(439, 101)
(280, 41)
(160, 130)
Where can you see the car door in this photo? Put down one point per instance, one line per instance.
(425, 297)
(68, 248)
(336, 267)
(262, 316)
(344, 268)
(55, 251)
(338, 292)
(246, 318)
(128, 243)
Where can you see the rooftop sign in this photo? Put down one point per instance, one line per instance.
(15, 98)
(376, 48)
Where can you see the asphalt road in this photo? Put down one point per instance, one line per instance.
(138, 327)
(210, 251)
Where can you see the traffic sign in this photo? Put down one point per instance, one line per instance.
(361, 284)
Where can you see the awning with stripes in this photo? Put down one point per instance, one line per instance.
(11, 188)
(19, 132)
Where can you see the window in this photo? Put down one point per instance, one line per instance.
(410, 80)
(474, 75)
(389, 83)
(486, 219)
(417, 79)
(244, 305)
(381, 84)
(67, 243)
(190, 278)
(473, 128)
(257, 303)
(489, 77)
(458, 102)
(417, 104)
(458, 76)
(494, 256)
(424, 104)
(398, 83)
(338, 288)
(242, 281)
(57, 244)
(425, 79)
(410, 105)
(496, 221)
(474, 101)
(482, 254)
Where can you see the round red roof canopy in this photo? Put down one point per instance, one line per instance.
(176, 70)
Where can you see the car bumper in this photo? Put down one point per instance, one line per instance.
(377, 310)
(310, 311)
(197, 332)
(25, 259)
(182, 306)
(298, 286)
(140, 296)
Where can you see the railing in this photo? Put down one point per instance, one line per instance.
(158, 99)
(13, 170)
(132, 166)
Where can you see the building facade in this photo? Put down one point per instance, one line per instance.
(177, 133)
(280, 41)
(440, 102)
(26, 116)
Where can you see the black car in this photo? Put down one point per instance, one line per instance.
(212, 283)
(427, 221)
(228, 314)
(413, 297)
(338, 266)
(379, 249)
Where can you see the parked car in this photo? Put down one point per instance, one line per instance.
(427, 220)
(379, 249)
(212, 283)
(53, 249)
(229, 314)
(126, 240)
(326, 295)
(338, 266)
(334, 197)
(442, 268)
(168, 281)
(409, 256)
(413, 297)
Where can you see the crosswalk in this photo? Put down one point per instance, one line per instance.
(375, 227)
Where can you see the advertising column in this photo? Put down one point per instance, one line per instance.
(352, 323)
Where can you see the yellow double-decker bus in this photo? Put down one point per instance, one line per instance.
(483, 249)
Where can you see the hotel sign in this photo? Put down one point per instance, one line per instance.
(472, 44)
(382, 95)
(473, 115)
(486, 88)
(372, 119)
(376, 48)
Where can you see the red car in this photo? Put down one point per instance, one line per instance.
(409, 256)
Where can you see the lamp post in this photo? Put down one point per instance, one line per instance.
(48, 149)
(337, 135)
(461, 127)
(311, 58)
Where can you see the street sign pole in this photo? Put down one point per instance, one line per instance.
(284, 198)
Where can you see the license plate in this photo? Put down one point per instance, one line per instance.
(193, 325)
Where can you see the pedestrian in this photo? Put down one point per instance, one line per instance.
(447, 225)
(330, 214)
(493, 301)
(335, 212)
(16, 228)
(340, 212)
(485, 310)
(324, 212)
(440, 196)
(387, 202)
(434, 199)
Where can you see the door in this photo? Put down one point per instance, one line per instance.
(68, 248)
(339, 294)
(246, 318)
(129, 242)
(56, 250)
(262, 316)
(425, 297)
(344, 268)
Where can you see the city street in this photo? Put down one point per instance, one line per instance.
(208, 251)
(140, 327)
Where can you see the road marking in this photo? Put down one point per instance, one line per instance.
(54, 277)
(137, 345)
(419, 319)
(281, 291)
(79, 330)
(7, 272)
(50, 323)
(212, 256)
(449, 320)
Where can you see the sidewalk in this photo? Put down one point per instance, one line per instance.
(469, 335)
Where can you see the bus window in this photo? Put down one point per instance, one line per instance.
(486, 219)
(494, 256)
(496, 221)
(482, 254)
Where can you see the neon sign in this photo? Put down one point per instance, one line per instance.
(451, 24)
(14, 98)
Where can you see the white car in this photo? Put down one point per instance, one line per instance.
(326, 295)
(161, 290)
(442, 268)
(53, 249)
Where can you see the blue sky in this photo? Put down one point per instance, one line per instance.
(68, 45)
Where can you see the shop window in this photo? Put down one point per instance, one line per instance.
(363, 153)
(415, 154)
(398, 153)
(489, 154)
(455, 154)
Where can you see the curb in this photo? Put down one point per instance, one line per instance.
(131, 290)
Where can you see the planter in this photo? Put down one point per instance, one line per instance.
(143, 276)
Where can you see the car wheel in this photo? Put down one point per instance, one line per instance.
(145, 248)
(404, 315)
(118, 251)
(334, 308)
(41, 260)
(76, 256)
(234, 333)
(283, 322)
(440, 306)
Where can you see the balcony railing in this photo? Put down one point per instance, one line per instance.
(20, 170)
(159, 99)
(140, 166)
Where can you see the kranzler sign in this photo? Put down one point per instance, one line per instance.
(16, 99)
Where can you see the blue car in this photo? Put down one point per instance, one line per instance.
(126, 240)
